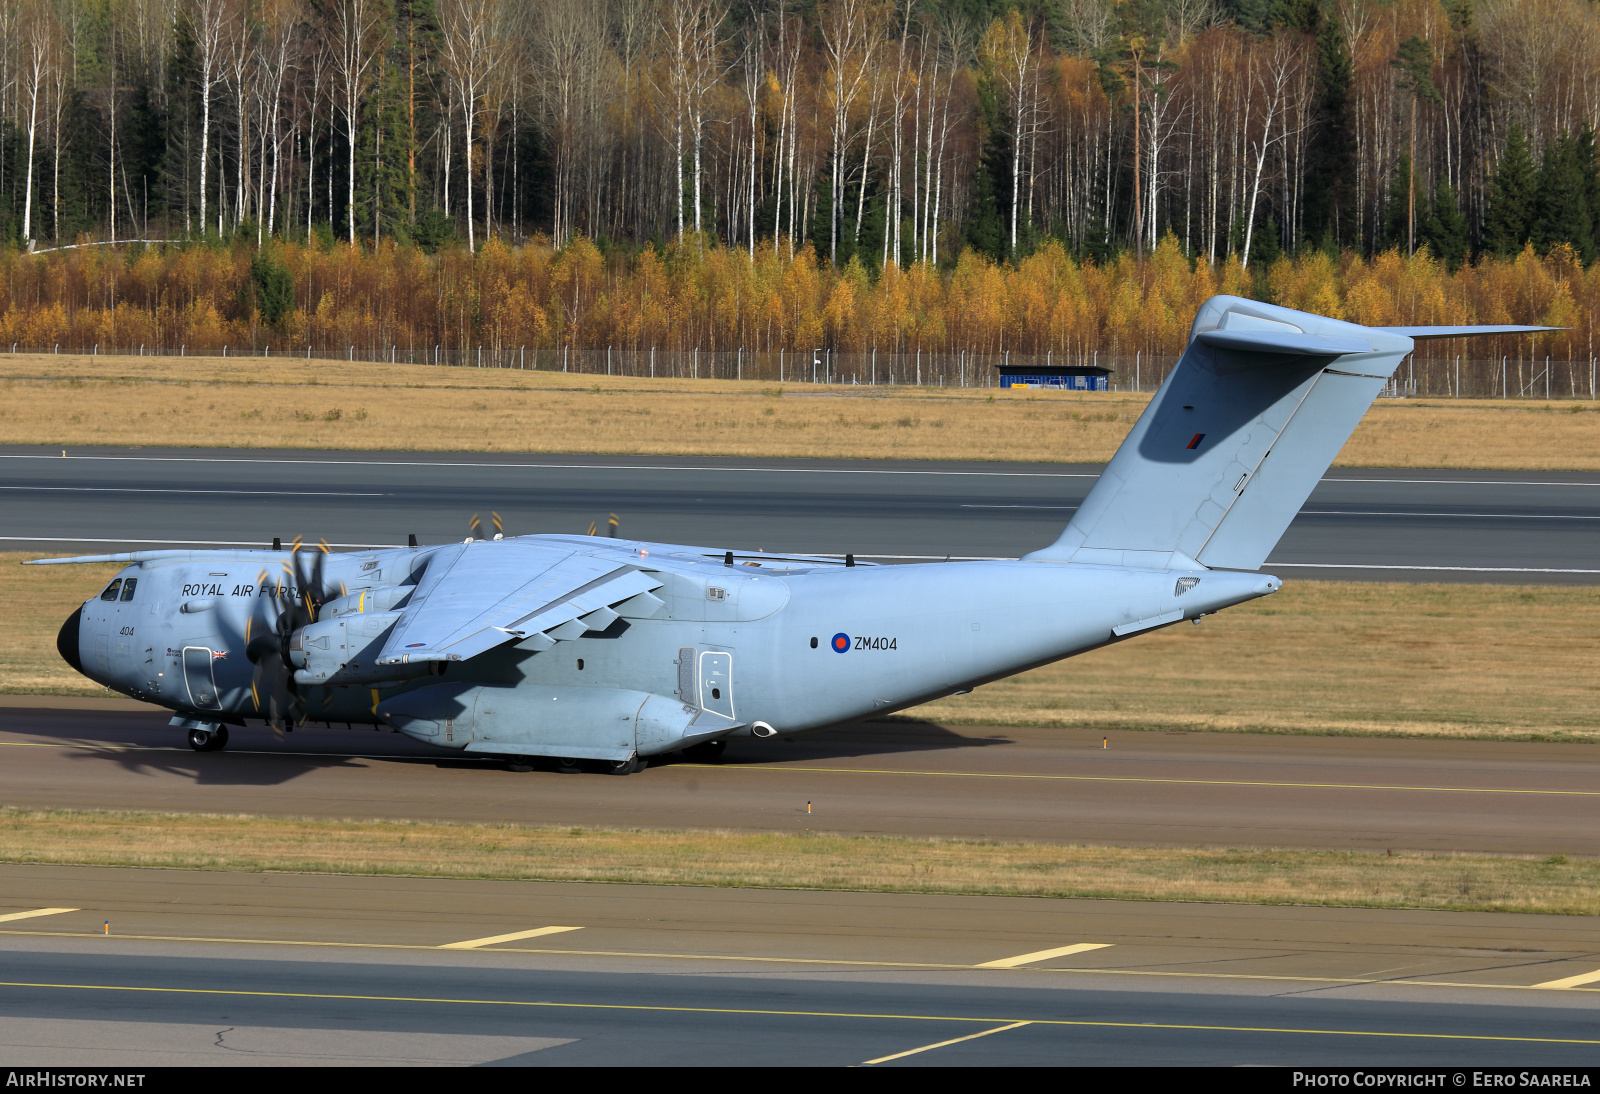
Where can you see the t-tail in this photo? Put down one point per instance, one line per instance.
(1237, 437)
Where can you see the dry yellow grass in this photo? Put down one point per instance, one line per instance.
(1496, 661)
(34, 601)
(801, 860)
(291, 403)
(1492, 661)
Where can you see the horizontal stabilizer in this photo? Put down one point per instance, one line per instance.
(1461, 332)
(1283, 342)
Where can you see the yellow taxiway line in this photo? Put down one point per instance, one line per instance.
(900, 771)
(1141, 779)
(773, 1013)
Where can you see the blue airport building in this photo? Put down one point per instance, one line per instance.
(1068, 377)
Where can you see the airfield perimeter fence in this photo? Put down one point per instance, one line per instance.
(1504, 377)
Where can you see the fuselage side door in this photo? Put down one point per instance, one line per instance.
(197, 677)
(716, 683)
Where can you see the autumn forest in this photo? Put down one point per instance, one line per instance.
(1056, 176)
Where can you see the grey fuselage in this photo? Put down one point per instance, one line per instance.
(766, 646)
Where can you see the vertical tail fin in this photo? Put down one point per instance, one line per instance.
(1237, 437)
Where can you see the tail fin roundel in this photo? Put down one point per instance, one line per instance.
(1233, 443)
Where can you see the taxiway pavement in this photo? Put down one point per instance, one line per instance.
(882, 778)
(219, 968)
(1365, 524)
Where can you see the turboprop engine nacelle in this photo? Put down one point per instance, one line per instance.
(344, 650)
(367, 601)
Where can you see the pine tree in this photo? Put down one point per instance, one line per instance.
(1589, 169)
(1561, 206)
(1506, 225)
(1393, 230)
(983, 225)
(1414, 62)
(1332, 149)
(142, 156)
(1445, 230)
(383, 194)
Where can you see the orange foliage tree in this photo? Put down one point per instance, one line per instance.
(699, 295)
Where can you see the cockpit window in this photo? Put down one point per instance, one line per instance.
(127, 589)
(111, 589)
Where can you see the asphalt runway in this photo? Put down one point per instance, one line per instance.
(240, 969)
(1358, 524)
(913, 779)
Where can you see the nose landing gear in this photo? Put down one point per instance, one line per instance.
(208, 740)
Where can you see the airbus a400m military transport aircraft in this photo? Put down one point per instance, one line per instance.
(605, 650)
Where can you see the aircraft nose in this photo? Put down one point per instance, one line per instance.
(67, 641)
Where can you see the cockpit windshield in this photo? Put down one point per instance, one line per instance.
(127, 589)
(111, 589)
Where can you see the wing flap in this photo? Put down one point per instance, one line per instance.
(477, 596)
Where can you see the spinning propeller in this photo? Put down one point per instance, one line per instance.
(273, 686)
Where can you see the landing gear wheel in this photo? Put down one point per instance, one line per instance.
(519, 763)
(705, 751)
(216, 741)
(625, 767)
(568, 766)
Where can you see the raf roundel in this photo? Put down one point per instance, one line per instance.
(841, 643)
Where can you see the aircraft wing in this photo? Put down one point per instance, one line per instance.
(475, 596)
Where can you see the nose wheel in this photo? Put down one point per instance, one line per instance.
(209, 740)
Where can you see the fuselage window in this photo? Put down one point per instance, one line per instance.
(127, 589)
(111, 589)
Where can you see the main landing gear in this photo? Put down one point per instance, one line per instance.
(625, 767)
(213, 740)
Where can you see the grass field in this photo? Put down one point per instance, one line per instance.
(1319, 657)
(801, 860)
(280, 402)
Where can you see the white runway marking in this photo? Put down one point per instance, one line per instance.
(1472, 516)
(177, 490)
(1272, 565)
(35, 913)
(251, 543)
(1267, 567)
(732, 469)
(1042, 955)
(574, 466)
(515, 936)
(1571, 981)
